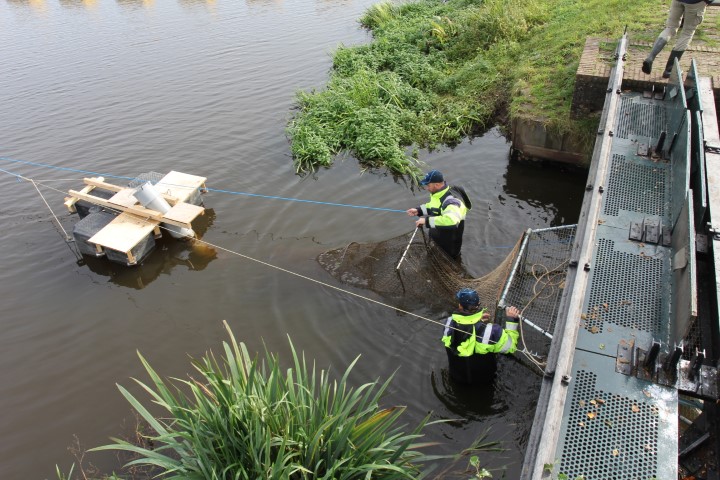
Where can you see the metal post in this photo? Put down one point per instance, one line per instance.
(652, 355)
(515, 267)
(406, 248)
(539, 329)
(670, 365)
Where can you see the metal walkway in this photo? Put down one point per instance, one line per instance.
(628, 333)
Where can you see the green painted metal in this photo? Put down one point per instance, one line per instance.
(698, 180)
(615, 426)
(627, 294)
(684, 309)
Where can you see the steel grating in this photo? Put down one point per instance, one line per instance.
(640, 117)
(616, 427)
(538, 282)
(637, 186)
(625, 289)
(626, 294)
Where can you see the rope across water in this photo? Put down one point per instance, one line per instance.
(35, 183)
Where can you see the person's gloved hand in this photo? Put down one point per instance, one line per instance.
(512, 312)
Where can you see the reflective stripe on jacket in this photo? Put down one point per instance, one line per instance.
(444, 210)
(464, 336)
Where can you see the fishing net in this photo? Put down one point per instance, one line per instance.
(143, 178)
(411, 270)
(536, 283)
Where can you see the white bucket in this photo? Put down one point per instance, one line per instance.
(150, 198)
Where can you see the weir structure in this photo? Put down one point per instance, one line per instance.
(635, 343)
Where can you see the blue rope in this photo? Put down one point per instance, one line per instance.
(304, 201)
(7, 159)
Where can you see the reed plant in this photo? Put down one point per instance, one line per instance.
(439, 71)
(246, 419)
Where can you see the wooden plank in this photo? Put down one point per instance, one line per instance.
(124, 233)
(116, 188)
(99, 183)
(184, 212)
(135, 210)
(124, 197)
(180, 185)
(70, 201)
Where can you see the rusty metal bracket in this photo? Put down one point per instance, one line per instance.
(625, 361)
(651, 230)
(712, 148)
(698, 380)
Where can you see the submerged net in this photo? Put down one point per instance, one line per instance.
(426, 274)
(531, 277)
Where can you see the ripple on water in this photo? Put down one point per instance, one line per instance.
(207, 88)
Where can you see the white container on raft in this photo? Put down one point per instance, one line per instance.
(150, 198)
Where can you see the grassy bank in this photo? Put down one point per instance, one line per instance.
(437, 72)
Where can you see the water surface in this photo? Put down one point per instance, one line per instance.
(206, 87)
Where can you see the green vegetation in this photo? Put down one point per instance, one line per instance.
(438, 71)
(244, 420)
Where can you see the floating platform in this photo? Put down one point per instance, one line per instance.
(123, 229)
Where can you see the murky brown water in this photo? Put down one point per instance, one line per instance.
(206, 87)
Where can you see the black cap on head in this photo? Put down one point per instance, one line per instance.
(433, 176)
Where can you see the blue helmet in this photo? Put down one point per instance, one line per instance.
(433, 176)
(468, 298)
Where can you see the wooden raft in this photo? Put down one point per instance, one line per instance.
(134, 221)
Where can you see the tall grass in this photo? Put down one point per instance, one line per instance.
(244, 419)
(437, 72)
(379, 14)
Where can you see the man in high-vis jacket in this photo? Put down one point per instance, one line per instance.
(444, 214)
(467, 333)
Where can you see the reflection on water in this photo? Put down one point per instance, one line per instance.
(168, 253)
(536, 184)
(469, 402)
(89, 4)
(210, 4)
(136, 3)
(157, 86)
(37, 5)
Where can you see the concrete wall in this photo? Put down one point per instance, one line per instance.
(530, 140)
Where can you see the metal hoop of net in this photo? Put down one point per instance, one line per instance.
(531, 277)
(426, 275)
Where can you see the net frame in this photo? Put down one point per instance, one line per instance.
(412, 269)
